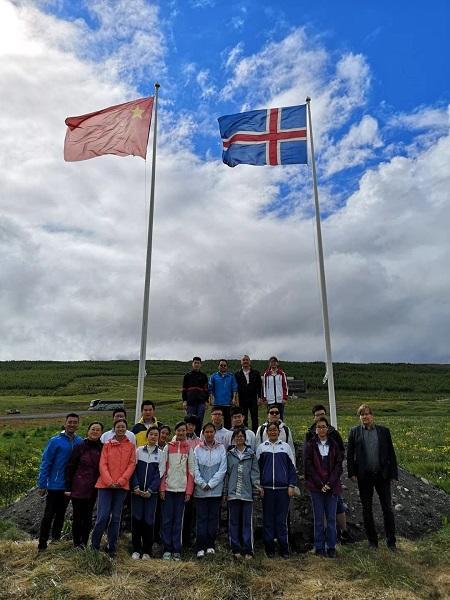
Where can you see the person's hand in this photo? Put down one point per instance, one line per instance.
(137, 491)
(206, 488)
(146, 494)
(290, 492)
(187, 497)
(259, 402)
(68, 494)
(162, 495)
(42, 492)
(114, 485)
(184, 404)
(261, 492)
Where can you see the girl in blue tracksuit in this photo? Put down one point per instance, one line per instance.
(278, 480)
(242, 484)
(145, 484)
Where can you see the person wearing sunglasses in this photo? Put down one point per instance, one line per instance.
(273, 416)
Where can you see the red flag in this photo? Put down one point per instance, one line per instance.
(122, 130)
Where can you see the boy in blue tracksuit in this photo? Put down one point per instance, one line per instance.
(51, 480)
(278, 480)
(145, 484)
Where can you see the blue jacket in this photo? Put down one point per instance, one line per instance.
(54, 461)
(242, 481)
(276, 465)
(222, 387)
(149, 469)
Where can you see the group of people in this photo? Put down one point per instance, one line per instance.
(172, 482)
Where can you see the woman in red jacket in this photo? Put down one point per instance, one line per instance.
(117, 464)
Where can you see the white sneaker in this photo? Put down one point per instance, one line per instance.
(176, 556)
(167, 556)
(210, 551)
(146, 557)
(135, 556)
(200, 554)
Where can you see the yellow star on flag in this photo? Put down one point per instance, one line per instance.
(137, 112)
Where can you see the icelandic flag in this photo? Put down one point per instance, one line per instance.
(273, 136)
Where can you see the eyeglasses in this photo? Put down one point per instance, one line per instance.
(322, 427)
(273, 412)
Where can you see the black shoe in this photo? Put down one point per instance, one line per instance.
(319, 552)
(346, 537)
(270, 554)
(42, 548)
(285, 555)
(331, 553)
(373, 546)
(392, 548)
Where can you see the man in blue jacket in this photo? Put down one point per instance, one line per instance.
(223, 389)
(51, 479)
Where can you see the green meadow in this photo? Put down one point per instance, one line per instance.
(412, 400)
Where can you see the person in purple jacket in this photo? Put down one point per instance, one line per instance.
(323, 468)
(81, 474)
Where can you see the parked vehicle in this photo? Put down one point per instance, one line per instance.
(13, 411)
(100, 404)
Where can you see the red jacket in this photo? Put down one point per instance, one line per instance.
(117, 463)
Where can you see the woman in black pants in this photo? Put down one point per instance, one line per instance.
(82, 472)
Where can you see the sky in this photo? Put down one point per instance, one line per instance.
(234, 265)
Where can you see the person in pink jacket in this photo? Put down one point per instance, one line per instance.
(117, 463)
(177, 485)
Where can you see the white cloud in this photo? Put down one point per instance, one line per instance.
(227, 276)
(423, 117)
(354, 148)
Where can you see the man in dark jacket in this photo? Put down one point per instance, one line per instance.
(195, 393)
(371, 461)
(249, 390)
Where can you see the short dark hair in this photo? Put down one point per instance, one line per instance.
(161, 427)
(273, 358)
(223, 360)
(152, 428)
(191, 419)
(116, 410)
(208, 425)
(217, 409)
(269, 408)
(324, 420)
(318, 407)
(121, 421)
(147, 403)
(73, 415)
(236, 410)
(197, 358)
(95, 423)
(239, 430)
(179, 424)
(274, 424)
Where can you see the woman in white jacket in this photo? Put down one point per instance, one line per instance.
(210, 470)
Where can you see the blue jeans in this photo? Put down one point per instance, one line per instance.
(109, 510)
(240, 526)
(208, 510)
(275, 517)
(324, 503)
(172, 513)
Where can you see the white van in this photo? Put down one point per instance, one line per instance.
(105, 404)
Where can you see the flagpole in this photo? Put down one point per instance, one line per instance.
(323, 287)
(148, 268)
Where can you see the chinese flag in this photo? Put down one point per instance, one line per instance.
(122, 130)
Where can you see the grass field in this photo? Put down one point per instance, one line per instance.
(412, 400)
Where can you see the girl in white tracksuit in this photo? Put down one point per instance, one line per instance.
(210, 471)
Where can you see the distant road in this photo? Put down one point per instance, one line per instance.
(46, 415)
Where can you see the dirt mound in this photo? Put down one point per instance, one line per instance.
(419, 507)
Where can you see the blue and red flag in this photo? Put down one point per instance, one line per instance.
(273, 136)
